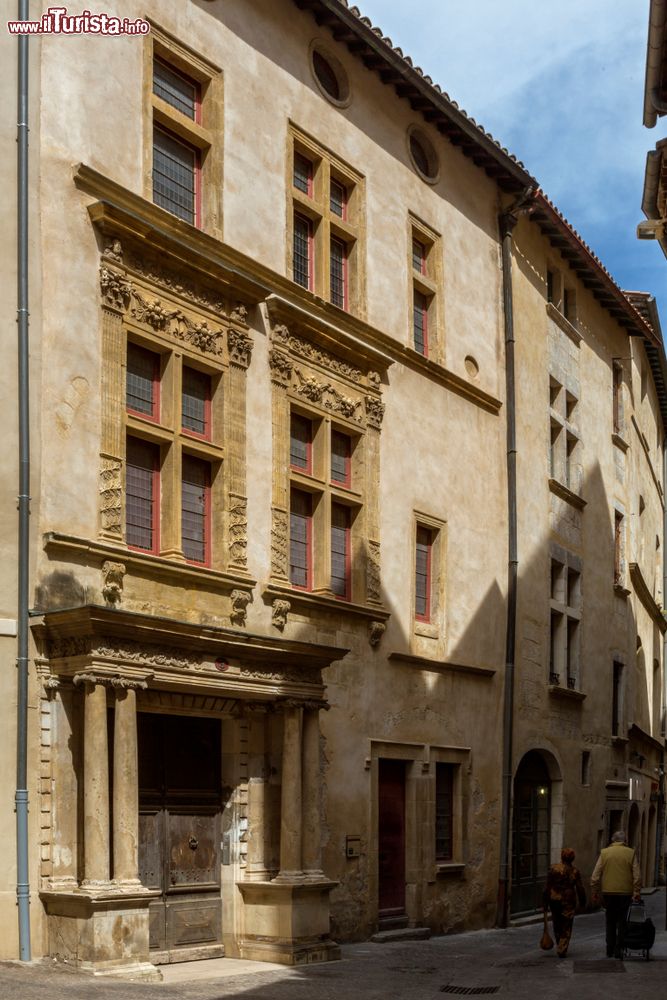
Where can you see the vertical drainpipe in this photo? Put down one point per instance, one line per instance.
(660, 833)
(507, 222)
(21, 798)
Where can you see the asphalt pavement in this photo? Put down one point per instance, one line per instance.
(506, 963)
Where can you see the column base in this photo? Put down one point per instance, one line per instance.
(101, 930)
(287, 922)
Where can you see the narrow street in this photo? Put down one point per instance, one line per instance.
(504, 963)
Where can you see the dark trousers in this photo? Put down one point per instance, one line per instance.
(616, 909)
(562, 926)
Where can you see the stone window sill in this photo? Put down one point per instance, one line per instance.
(619, 441)
(321, 602)
(565, 493)
(557, 691)
(565, 325)
(449, 868)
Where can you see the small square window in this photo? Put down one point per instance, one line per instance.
(301, 443)
(303, 174)
(176, 89)
(142, 381)
(340, 458)
(338, 199)
(196, 402)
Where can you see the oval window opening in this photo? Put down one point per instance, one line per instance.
(326, 76)
(423, 156)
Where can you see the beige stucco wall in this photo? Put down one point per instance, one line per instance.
(441, 453)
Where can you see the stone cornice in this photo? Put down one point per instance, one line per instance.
(562, 491)
(177, 572)
(120, 214)
(646, 597)
(322, 603)
(445, 666)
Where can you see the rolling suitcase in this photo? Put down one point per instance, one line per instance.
(639, 931)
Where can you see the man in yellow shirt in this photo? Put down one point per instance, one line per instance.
(617, 872)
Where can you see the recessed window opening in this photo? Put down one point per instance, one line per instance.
(338, 199)
(142, 381)
(303, 251)
(196, 402)
(303, 174)
(176, 89)
(326, 76)
(175, 172)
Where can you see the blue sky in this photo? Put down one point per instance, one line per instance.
(561, 84)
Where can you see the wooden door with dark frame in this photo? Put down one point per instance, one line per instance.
(391, 838)
(180, 805)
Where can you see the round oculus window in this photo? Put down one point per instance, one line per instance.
(326, 76)
(423, 156)
(330, 75)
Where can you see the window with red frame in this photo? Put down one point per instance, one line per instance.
(303, 174)
(338, 199)
(338, 272)
(196, 509)
(340, 458)
(300, 540)
(176, 89)
(142, 382)
(444, 812)
(418, 257)
(303, 251)
(142, 495)
(196, 402)
(301, 443)
(340, 551)
(420, 321)
(175, 176)
(424, 548)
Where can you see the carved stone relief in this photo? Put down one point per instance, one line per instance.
(375, 632)
(240, 599)
(279, 612)
(176, 324)
(281, 368)
(111, 493)
(312, 352)
(112, 587)
(326, 395)
(240, 348)
(279, 543)
(373, 576)
(374, 411)
(116, 290)
(238, 530)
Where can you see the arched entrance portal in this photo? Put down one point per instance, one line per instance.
(531, 840)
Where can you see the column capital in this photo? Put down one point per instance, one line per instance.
(308, 704)
(121, 683)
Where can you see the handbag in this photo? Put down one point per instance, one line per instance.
(545, 941)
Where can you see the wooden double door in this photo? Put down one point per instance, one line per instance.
(180, 805)
(531, 840)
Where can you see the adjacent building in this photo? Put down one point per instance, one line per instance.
(347, 538)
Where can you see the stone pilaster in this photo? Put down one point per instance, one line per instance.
(240, 350)
(115, 294)
(95, 783)
(281, 374)
(290, 799)
(312, 832)
(126, 785)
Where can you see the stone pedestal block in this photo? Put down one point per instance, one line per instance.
(287, 923)
(103, 933)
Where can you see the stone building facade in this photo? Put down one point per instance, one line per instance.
(272, 270)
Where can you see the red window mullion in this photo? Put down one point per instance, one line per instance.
(197, 182)
(156, 506)
(311, 253)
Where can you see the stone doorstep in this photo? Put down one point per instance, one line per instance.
(402, 934)
(143, 971)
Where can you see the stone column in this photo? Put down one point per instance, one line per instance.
(312, 835)
(126, 785)
(290, 799)
(64, 764)
(95, 782)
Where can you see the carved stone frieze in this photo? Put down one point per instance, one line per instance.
(375, 632)
(87, 678)
(65, 649)
(373, 575)
(294, 674)
(154, 271)
(112, 585)
(280, 609)
(175, 323)
(128, 683)
(114, 252)
(154, 656)
(327, 396)
(374, 411)
(111, 495)
(240, 599)
(281, 368)
(279, 543)
(239, 314)
(116, 290)
(312, 352)
(240, 348)
(238, 530)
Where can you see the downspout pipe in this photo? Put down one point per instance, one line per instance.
(21, 798)
(507, 222)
